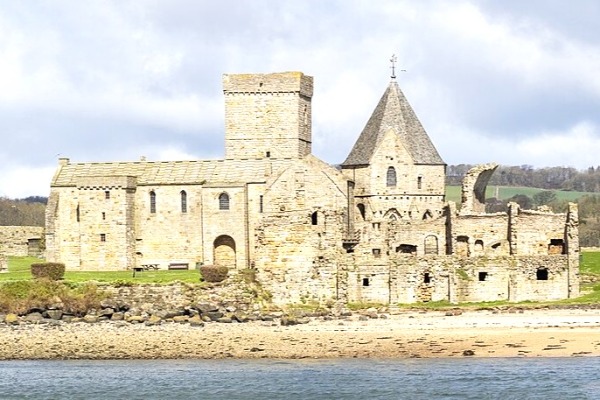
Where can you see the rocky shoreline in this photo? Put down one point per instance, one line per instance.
(372, 333)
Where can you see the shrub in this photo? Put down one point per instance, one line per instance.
(48, 270)
(214, 273)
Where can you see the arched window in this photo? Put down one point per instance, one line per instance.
(431, 244)
(223, 201)
(361, 210)
(390, 179)
(419, 182)
(314, 218)
(183, 201)
(152, 202)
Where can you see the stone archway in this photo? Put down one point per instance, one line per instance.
(224, 251)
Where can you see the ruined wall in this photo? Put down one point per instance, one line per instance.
(299, 239)
(537, 233)
(21, 240)
(480, 234)
(412, 279)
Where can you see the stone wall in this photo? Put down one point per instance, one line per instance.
(21, 240)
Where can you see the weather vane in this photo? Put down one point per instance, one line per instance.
(393, 67)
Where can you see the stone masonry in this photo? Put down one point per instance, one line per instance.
(376, 230)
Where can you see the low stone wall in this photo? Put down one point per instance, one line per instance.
(21, 241)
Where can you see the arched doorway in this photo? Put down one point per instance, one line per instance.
(224, 251)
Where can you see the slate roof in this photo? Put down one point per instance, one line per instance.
(394, 112)
(172, 172)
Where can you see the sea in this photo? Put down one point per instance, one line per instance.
(464, 378)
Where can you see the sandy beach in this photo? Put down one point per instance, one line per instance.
(528, 333)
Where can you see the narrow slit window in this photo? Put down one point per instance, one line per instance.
(391, 177)
(314, 218)
(419, 182)
(103, 237)
(103, 215)
(183, 201)
(260, 204)
(426, 277)
(107, 194)
(152, 202)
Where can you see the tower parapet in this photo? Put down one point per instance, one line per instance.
(267, 115)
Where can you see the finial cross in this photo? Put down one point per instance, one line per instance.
(393, 67)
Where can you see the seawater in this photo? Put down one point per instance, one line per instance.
(465, 378)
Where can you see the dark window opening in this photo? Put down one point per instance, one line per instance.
(260, 204)
(426, 278)
(350, 250)
(541, 274)
(183, 201)
(107, 194)
(103, 215)
(361, 210)
(365, 281)
(268, 154)
(152, 202)
(314, 218)
(223, 201)
(406, 249)
(77, 213)
(483, 276)
(556, 246)
(419, 182)
(377, 253)
(103, 237)
(391, 177)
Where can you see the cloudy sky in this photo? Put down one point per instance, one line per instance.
(512, 81)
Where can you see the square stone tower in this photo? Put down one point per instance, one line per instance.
(267, 115)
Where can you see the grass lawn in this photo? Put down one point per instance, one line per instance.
(19, 268)
(453, 193)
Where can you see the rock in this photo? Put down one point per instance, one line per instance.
(468, 353)
(153, 320)
(135, 319)
(180, 318)
(225, 320)
(363, 318)
(90, 319)
(214, 315)
(207, 307)
(231, 309)
(54, 314)
(11, 319)
(196, 321)
(289, 320)
(67, 318)
(118, 316)
(34, 317)
(240, 317)
(107, 312)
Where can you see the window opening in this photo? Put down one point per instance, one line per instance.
(107, 194)
(419, 182)
(103, 215)
(223, 201)
(103, 237)
(152, 202)
(426, 277)
(183, 201)
(377, 253)
(314, 219)
(268, 154)
(365, 281)
(391, 177)
(361, 210)
(483, 276)
(260, 204)
(77, 213)
(541, 274)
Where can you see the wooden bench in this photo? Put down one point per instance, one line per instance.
(145, 267)
(179, 265)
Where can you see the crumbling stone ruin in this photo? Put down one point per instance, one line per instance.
(377, 229)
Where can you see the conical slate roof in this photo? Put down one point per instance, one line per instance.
(394, 112)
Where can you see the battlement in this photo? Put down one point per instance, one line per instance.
(281, 82)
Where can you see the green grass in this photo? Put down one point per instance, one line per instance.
(453, 193)
(590, 263)
(19, 268)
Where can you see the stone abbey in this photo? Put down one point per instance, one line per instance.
(377, 228)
